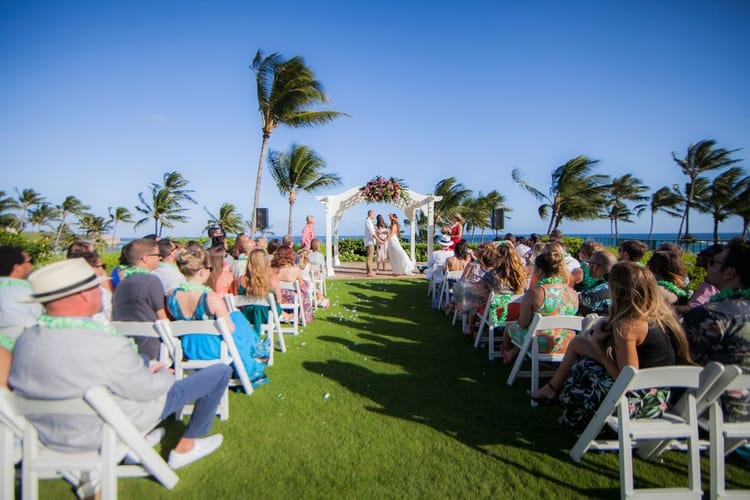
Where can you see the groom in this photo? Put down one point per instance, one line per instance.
(370, 241)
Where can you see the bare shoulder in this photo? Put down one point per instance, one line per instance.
(631, 329)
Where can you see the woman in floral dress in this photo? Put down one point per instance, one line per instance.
(641, 331)
(550, 296)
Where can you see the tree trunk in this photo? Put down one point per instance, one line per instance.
(291, 207)
(651, 227)
(114, 235)
(745, 226)
(59, 231)
(716, 230)
(617, 232)
(258, 180)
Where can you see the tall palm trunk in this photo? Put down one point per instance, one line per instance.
(745, 226)
(258, 180)
(716, 230)
(651, 226)
(59, 231)
(292, 199)
(114, 235)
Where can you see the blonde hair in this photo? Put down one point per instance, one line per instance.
(635, 296)
(589, 247)
(258, 274)
(457, 216)
(510, 268)
(191, 261)
(552, 261)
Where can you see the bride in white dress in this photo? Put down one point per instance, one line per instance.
(400, 262)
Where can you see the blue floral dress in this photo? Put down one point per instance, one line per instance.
(253, 351)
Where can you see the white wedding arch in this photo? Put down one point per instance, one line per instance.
(337, 204)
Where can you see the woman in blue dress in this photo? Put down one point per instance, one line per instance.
(194, 300)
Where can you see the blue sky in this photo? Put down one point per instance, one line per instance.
(99, 99)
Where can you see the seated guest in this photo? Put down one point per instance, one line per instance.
(705, 290)
(439, 256)
(140, 294)
(550, 296)
(316, 256)
(584, 254)
(507, 276)
(285, 270)
(93, 259)
(720, 330)
(221, 278)
(167, 271)
(15, 267)
(469, 293)
(632, 251)
(461, 256)
(273, 245)
(640, 331)
(670, 275)
(262, 243)
(193, 299)
(596, 299)
(66, 353)
(243, 245)
(572, 266)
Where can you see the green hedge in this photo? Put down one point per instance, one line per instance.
(353, 250)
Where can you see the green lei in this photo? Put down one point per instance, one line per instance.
(731, 293)
(186, 286)
(672, 288)
(14, 282)
(7, 342)
(548, 281)
(128, 271)
(63, 322)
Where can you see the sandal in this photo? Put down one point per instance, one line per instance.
(538, 398)
(509, 355)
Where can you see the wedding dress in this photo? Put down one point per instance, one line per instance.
(400, 262)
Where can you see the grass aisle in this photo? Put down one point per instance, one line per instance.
(381, 397)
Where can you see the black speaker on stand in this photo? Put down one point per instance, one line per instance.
(498, 219)
(261, 219)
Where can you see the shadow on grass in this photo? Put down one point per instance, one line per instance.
(445, 384)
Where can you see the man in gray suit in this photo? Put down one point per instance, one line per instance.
(67, 353)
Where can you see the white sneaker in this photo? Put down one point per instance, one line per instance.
(152, 438)
(203, 447)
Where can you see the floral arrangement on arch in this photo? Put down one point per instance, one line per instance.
(382, 190)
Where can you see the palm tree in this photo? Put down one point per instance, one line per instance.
(93, 225)
(119, 214)
(70, 205)
(742, 208)
(7, 205)
(43, 215)
(165, 205)
(621, 189)
(299, 170)
(668, 200)
(701, 157)
(26, 199)
(454, 195)
(229, 220)
(574, 193)
(287, 89)
(719, 197)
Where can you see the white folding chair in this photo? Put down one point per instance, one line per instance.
(437, 273)
(530, 348)
(143, 329)
(318, 272)
(295, 308)
(171, 334)
(633, 432)
(272, 327)
(446, 290)
(118, 436)
(725, 437)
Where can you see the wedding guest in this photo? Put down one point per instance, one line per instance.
(705, 290)
(66, 353)
(285, 270)
(670, 275)
(308, 232)
(167, 270)
(632, 251)
(720, 329)
(457, 228)
(596, 299)
(140, 294)
(640, 331)
(15, 268)
(585, 252)
(550, 296)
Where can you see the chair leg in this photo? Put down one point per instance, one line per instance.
(716, 452)
(626, 460)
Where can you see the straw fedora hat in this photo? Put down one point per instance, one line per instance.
(445, 241)
(61, 279)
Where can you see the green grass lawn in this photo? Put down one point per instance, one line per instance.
(382, 397)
